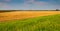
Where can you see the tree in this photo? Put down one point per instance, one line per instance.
(57, 9)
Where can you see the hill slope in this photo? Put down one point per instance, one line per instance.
(45, 23)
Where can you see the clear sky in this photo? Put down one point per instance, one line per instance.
(29, 4)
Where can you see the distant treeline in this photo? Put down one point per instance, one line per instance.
(7, 10)
(25, 10)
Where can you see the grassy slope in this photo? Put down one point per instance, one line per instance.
(45, 23)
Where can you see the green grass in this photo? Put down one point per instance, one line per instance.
(45, 23)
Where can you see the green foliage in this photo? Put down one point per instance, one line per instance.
(45, 23)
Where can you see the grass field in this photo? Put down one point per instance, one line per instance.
(25, 14)
(44, 23)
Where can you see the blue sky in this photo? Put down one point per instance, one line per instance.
(29, 4)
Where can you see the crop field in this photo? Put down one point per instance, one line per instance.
(25, 14)
(44, 23)
(30, 21)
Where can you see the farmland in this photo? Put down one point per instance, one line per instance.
(25, 14)
(30, 21)
(44, 23)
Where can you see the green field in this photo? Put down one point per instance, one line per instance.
(45, 23)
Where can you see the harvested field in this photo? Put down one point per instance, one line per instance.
(25, 14)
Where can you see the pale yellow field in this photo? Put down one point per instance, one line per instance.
(25, 14)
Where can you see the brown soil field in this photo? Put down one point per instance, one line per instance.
(25, 14)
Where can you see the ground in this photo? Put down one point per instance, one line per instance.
(30, 21)
(25, 14)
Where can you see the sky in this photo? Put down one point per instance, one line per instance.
(29, 4)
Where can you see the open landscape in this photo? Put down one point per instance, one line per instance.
(29, 15)
(25, 14)
(30, 21)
